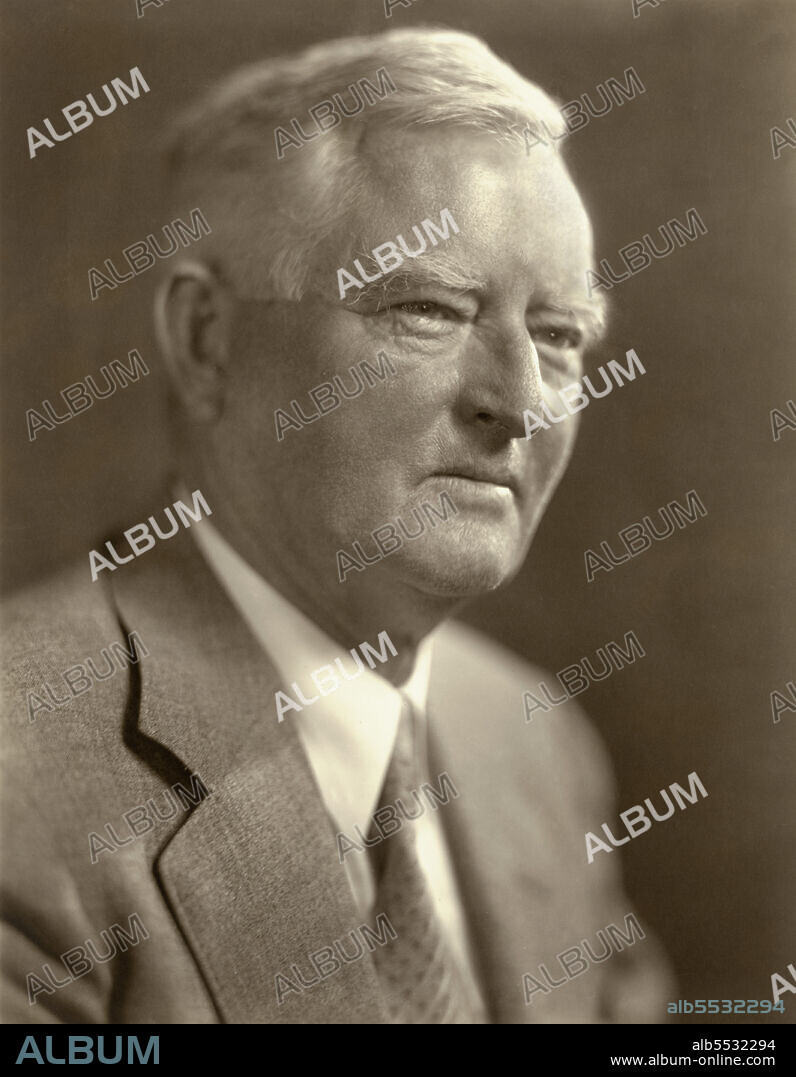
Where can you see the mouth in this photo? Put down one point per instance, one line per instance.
(485, 476)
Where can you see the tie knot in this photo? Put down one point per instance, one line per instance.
(403, 772)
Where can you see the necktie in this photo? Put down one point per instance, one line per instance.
(419, 978)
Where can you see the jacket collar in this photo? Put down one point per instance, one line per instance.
(516, 844)
(253, 875)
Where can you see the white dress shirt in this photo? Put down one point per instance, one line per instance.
(347, 736)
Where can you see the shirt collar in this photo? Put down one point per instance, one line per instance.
(347, 735)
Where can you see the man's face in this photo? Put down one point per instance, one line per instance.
(468, 363)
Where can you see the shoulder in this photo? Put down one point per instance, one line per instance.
(51, 629)
(483, 684)
(50, 612)
(67, 692)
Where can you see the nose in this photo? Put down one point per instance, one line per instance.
(499, 379)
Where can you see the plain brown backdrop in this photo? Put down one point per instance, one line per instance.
(713, 324)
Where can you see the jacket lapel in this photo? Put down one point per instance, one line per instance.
(510, 852)
(252, 876)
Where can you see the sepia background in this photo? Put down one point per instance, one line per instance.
(713, 606)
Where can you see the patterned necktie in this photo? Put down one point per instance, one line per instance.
(420, 980)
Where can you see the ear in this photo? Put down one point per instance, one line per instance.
(193, 319)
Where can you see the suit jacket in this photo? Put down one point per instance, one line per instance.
(245, 884)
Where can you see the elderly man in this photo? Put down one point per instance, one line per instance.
(359, 841)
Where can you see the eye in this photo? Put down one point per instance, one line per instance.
(558, 337)
(423, 309)
(558, 347)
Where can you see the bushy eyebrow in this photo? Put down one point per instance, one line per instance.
(440, 271)
(592, 316)
(443, 272)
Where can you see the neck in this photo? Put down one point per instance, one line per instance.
(351, 613)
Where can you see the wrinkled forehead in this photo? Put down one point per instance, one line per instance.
(517, 216)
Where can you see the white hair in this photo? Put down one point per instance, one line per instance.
(271, 227)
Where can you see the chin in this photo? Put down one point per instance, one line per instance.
(460, 572)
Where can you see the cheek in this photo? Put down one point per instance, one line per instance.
(558, 441)
(549, 453)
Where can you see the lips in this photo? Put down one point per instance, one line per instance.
(495, 476)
